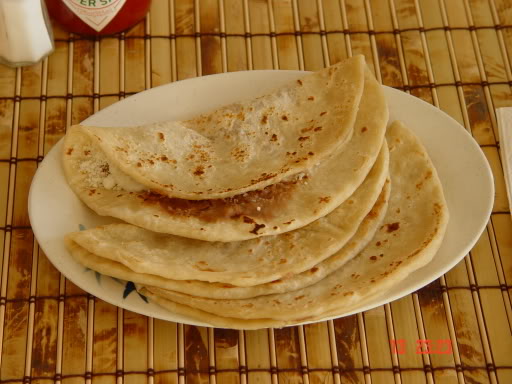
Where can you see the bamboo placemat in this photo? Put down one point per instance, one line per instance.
(454, 54)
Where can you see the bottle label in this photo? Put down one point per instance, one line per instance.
(97, 14)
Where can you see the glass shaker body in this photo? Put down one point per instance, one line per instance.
(25, 32)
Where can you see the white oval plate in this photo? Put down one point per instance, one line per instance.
(464, 172)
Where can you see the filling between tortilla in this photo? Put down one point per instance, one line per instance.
(100, 173)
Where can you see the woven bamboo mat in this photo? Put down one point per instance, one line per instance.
(454, 54)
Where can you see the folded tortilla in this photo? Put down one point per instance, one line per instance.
(241, 147)
(281, 207)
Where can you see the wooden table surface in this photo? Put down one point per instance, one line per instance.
(455, 54)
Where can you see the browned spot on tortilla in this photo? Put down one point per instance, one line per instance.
(161, 136)
(231, 208)
(303, 138)
(299, 81)
(311, 98)
(156, 216)
(151, 162)
(311, 153)
(207, 269)
(69, 151)
(264, 176)
(256, 228)
(324, 199)
(239, 154)
(350, 202)
(92, 192)
(87, 152)
(313, 270)
(276, 281)
(274, 137)
(248, 220)
(398, 210)
(289, 222)
(393, 227)
(349, 293)
(284, 117)
(299, 297)
(198, 154)
(373, 258)
(164, 158)
(264, 120)
(199, 171)
(364, 129)
(276, 301)
(318, 129)
(323, 113)
(378, 243)
(275, 227)
(249, 305)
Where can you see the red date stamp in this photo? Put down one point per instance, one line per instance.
(423, 346)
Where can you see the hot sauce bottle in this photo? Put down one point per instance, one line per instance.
(97, 17)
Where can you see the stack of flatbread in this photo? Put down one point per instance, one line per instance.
(290, 207)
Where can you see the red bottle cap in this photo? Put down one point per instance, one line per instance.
(97, 17)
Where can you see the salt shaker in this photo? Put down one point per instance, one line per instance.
(25, 32)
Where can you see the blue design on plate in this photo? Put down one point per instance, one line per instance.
(96, 274)
(143, 297)
(129, 288)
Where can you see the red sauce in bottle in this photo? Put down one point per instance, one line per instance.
(97, 17)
